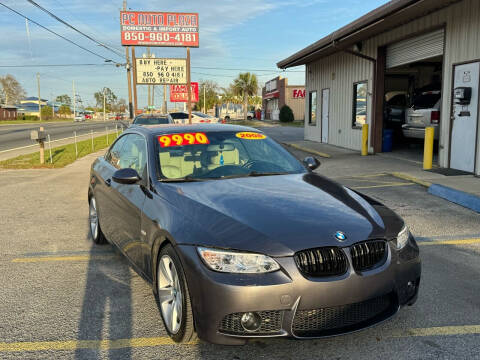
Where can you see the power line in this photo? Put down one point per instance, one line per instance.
(229, 69)
(52, 65)
(53, 32)
(73, 28)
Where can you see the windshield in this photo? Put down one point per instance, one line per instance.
(217, 155)
(426, 100)
(201, 114)
(179, 115)
(150, 120)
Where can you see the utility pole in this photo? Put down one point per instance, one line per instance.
(165, 110)
(189, 90)
(129, 77)
(39, 101)
(104, 106)
(134, 65)
(149, 88)
(204, 103)
(153, 96)
(74, 100)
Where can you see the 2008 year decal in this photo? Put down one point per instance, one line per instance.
(250, 135)
(183, 139)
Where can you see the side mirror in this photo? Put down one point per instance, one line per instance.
(311, 163)
(126, 176)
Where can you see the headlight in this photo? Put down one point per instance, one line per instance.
(237, 262)
(402, 237)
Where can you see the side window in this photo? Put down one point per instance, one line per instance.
(134, 153)
(113, 155)
(359, 115)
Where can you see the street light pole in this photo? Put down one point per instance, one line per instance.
(104, 105)
(39, 103)
(74, 101)
(129, 76)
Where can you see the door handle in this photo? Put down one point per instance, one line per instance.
(108, 182)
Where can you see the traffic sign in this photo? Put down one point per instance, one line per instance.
(161, 71)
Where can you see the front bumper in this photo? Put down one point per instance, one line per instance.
(287, 301)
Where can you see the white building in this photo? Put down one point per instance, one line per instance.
(402, 46)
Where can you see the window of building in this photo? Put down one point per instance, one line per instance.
(359, 116)
(312, 104)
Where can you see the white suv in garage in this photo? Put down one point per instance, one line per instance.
(424, 112)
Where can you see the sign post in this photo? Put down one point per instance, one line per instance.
(162, 29)
(134, 62)
(189, 89)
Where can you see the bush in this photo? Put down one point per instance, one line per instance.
(286, 114)
(27, 117)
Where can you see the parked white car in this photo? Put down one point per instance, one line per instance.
(181, 117)
(424, 112)
(79, 117)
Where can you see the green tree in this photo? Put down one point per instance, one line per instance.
(11, 92)
(211, 95)
(46, 112)
(64, 110)
(64, 99)
(110, 99)
(286, 114)
(245, 85)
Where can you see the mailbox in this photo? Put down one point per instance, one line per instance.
(38, 135)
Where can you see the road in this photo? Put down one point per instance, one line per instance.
(63, 297)
(15, 136)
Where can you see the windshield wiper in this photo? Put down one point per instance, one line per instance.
(187, 178)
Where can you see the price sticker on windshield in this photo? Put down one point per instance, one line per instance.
(183, 139)
(249, 135)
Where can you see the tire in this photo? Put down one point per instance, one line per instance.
(173, 297)
(227, 118)
(249, 118)
(95, 230)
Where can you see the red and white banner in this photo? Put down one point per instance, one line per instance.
(298, 93)
(159, 29)
(179, 93)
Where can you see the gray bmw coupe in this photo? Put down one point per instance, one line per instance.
(239, 239)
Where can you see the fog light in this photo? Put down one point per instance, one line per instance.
(251, 321)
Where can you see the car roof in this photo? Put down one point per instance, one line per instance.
(176, 128)
(151, 115)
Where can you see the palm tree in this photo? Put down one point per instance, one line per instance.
(245, 85)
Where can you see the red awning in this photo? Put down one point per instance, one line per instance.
(275, 94)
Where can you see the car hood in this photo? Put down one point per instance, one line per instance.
(279, 215)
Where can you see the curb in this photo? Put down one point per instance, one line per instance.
(411, 178)
(321, 154)
(459, 197)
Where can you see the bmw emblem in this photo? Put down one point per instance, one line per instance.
(340, 236)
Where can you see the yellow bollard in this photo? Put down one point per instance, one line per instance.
(365, 140)
(428, 148)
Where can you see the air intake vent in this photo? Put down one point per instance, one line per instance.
(368, 255)
(327, 261)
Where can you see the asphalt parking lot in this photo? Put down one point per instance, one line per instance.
(63, 298)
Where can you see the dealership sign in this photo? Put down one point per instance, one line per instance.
(159, 29)
(179, 93)
(298, 93)
(153, 71)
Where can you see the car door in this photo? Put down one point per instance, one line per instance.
(104, 170)
(127, 199)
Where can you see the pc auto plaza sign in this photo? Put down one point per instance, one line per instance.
(179, 93)
(159, 29)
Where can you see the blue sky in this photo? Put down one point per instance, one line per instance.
(246, 34)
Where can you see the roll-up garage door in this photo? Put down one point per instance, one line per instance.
(415, 49)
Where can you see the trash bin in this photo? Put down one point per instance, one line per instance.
(387, 141)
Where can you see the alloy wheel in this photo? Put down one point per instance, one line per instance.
(93, 216)
(170, 294)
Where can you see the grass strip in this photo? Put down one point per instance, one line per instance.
(61, 155)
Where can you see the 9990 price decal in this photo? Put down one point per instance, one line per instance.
(183, 139)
